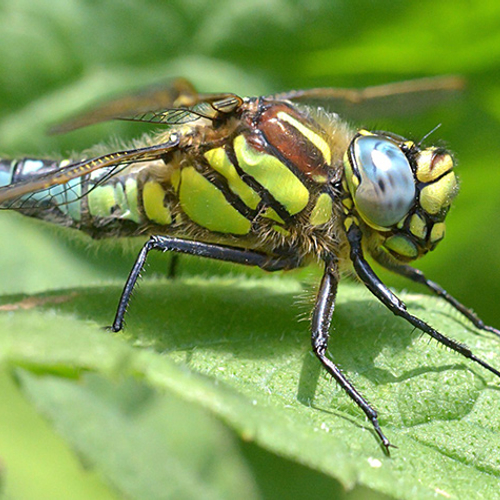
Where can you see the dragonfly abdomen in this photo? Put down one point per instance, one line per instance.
(59, 203)
(91, 203)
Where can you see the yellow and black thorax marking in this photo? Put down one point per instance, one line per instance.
(271, 172)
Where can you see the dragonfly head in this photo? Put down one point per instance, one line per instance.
(400, 191)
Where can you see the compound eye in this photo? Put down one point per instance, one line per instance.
(386, 189)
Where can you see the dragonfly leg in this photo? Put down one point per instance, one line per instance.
(321, 320)
(398, 307)
(218, 252)
(418, 276)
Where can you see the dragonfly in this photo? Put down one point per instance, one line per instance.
(277, 182)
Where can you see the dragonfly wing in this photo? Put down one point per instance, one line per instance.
(399, 98)
(17, 195)
(178, 94)
(213, 107)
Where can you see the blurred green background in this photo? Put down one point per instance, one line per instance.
(58, 57)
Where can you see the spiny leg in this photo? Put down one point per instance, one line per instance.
(419, 277)
(218, 252)
(373, 283)
(321, 320)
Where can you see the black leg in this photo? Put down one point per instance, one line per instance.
(373, 283)
(419, 277)
(322, 316)
(219, 252)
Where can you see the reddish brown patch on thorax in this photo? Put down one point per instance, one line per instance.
(290, 142)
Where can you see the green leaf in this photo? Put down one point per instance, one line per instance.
(234, 346)
(148, 444)
(36, 462)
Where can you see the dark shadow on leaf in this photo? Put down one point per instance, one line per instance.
(385, 377)
(308, 381)
(353, 420)
(251, 321)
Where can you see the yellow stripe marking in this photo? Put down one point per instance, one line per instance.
(281, 230)
(269, 213)
(175, 178)
(437, 232)
(317, 140)
(439, 194)
(101, 200)
(131, 194)
(426, 160)
(274, 175)
(402, 246)
(347, 202)
(219, 161)
(153, 196)
(322, 211)
(205, 205)
(418, 226)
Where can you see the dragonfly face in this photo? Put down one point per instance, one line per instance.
(263, 182)
(400, 192)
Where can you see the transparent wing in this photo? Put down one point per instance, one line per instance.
(400, 98)
(36, 190)
(178, 99)
(178, 102)
(213, 108)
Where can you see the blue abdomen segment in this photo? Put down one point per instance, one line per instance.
(63, 198)
(98, 203)
(6, 172)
